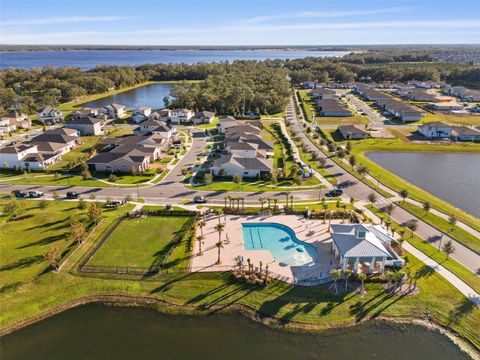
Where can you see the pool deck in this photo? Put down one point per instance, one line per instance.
(312, 232)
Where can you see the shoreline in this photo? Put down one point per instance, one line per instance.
(166, 307)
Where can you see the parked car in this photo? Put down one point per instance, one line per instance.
(168, 207)
(19, 193)
(334, 193)
(72, 195)
(35, 194)
(199, 199)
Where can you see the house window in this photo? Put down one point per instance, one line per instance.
(245, 173)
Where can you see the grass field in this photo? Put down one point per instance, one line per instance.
(443, 225)
(204, 293)
(450, 264)
(125, 247)
(26, 239)
(61, 180)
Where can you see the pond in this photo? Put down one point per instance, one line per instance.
(102, 332)
(150, 95)
(453, 177)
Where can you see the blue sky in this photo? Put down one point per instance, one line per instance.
(233, 22)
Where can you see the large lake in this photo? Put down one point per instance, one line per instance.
(101, 332)
(87, 59)
(454, 178)
(149, 95)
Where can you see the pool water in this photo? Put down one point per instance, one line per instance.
(281, 241)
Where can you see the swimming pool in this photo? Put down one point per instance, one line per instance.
(281, 241)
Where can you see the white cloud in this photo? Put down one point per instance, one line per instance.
(320, 14)
(63, 20)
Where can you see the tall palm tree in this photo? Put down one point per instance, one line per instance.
(219, 244)
(335, 274)
(262, 202)
(362, 277)
(201, 225)
(226, 198)
(219, 213)
(347, 273)
(287, 194)
(200, 240)
(275, 201)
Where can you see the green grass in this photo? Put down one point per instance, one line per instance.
(455, 232)
(78, 154)
(283, 157)
(50, 180)
(204, 293)
(125, 247)
(259, 186)
(212, 125)
(28, 238)
(440, 257)
(126, 179)
(396, 183)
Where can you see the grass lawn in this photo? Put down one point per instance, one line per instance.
(50, 180)
(456, 119)
(205, 293)
(212, 125)
(443, 225)
(259, 186)
(450, 264)
(360, 148)
(126, 179)
(308, 107)
(78, 154)
(125, 247)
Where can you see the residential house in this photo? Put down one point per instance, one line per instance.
(128, 161)
(465, 133)
(225, 122)
(363, 248)
(323, 93)
(446, 105)
(435, 130)
(77, 114)
(244, 166)
(203, 117)
(114, 111)
(26, 156)
(86, 125)
(141, 113)
(156, 127)
(160, 115)
(16, 120)
(330, 107)
(49, 115)
(181, 116)
(52, 141)
(352, 132)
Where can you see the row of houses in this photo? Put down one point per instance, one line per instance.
(14, 121)
(328, 103)
(245, 152)
(134, 153)
(173, 116)
(397, 108)
(462, 92)
(439, 130)
(42, 151)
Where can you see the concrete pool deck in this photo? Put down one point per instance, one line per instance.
(312, 232)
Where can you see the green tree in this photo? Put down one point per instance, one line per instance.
(219, 228)
(448, 248)
(372, 198)
(94, 213)
(352, 160)
(403, 194)
(53, 257)
(77, 231)
(207, 178)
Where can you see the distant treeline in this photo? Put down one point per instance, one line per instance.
(228, 88)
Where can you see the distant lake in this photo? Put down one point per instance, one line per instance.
(87, 59)
(454, 178)
(149, 95)
(100, 332)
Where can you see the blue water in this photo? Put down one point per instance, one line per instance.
(87, 59)
(281, 241)
(149, 95)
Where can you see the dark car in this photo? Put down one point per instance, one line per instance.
(199, 199)
(19, 193)
(72, 195)
(35, 194)
(334, 193)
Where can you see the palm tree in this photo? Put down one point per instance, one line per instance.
(347, 273)
(412, 225)
(448, 248)
(452, 219)
(275, 201)
(262, 202)
(219, 244)
(404, 194)
(201, 225)
(200, 240)
(353, 161)
(389, 209)
(219, 213)
(335, 274)
(287, 194)
(372, 198)
(362, 170)
(325, 207)
(362, 277)
(426, 206)
(390, 276)
(226, 198)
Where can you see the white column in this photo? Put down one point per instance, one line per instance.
(372, 264)
(344, 267)
(382, 266)
(355, 266)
